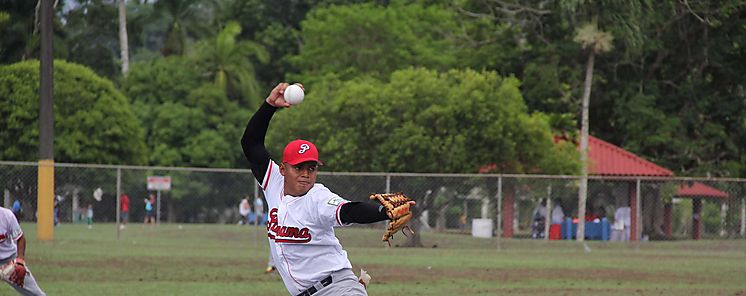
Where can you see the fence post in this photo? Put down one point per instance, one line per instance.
(388, 183)
(547, 219)
(723, 218)
(256, 187)
(638, 210)
(743, 217)
(499, 211)
(158, 208)
(119, 190)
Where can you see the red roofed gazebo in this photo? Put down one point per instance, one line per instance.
(696, 191)
(699, 190)
(610, 160)
(607, 159)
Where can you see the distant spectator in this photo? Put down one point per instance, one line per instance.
(149, 210)
(259, 210)
(17, 210)
(538, 219)
(124, 207)
(57, 201)
(558, 215)
(244, 209)
(621, 226)
(541, 209)
(89, 216)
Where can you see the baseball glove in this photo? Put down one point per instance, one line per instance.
(14, 271)
(398, 209)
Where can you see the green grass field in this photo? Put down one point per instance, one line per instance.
(230, 260)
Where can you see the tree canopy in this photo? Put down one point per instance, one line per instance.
(189, 120)
(94, 122)
(376, 40)
(670, 91)
(421, 120)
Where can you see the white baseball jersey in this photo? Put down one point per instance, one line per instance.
(10, 231)
(301, 232)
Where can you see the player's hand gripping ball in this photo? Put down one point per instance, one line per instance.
(293, 94)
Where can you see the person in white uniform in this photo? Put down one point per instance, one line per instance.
(13, 247)
(621, 226)
(558, 215)
(303, 213)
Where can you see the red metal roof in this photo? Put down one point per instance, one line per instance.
(607, 159)
(698, 189)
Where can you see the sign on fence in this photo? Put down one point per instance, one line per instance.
(159, 183)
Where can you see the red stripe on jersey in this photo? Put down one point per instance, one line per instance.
(338, 208)
(290, 273)
(269, 173)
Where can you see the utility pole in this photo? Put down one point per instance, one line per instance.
(45, 195)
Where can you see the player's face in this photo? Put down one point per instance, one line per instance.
(299, 178)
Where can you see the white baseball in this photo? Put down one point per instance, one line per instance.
(294, 95)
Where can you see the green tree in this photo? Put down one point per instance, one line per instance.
(433, 121)
(20, 36)
(375, 40)
(91, 37)
(188, 120)
(94, 123)
(186, 20)
(277, 28)
(421, 120)
(4, 19)
(228, 63)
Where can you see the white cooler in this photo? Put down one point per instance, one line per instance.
(481, 228)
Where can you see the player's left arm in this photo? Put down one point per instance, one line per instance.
(333, 210)
(18, 275)
(21, 246)
(362, 213)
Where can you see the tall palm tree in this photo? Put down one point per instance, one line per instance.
(186, 19)
(123, 43)
(595, 42)
(230, 65)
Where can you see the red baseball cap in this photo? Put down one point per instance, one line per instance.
(299, 151)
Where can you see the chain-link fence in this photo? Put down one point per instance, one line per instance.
(519, 206)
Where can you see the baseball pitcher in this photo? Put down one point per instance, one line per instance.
(303, 213)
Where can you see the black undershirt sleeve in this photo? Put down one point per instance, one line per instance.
(361, 213)
(252, 141)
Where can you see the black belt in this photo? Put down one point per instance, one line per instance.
(312, 290)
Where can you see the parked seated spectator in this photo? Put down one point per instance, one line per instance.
(539, 218)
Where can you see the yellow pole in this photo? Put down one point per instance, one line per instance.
(45, 201)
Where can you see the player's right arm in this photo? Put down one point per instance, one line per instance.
(252, 141)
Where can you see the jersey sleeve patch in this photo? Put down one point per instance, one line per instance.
(335, 201)
(328, 207)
